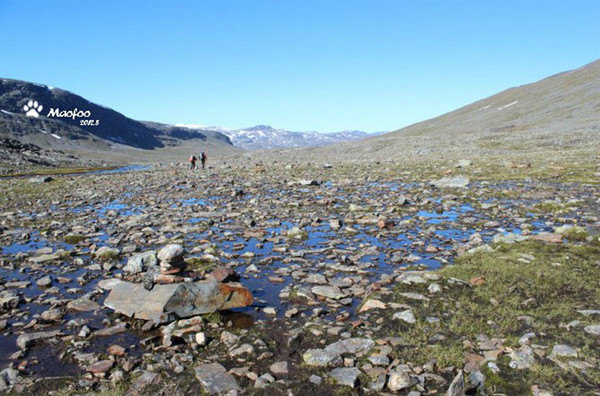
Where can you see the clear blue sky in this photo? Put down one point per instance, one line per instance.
(310, 65)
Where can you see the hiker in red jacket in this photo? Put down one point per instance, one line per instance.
(192, 161)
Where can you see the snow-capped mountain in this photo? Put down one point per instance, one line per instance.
(267, 137)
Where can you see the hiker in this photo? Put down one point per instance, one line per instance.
(203, 159)
(192, 162)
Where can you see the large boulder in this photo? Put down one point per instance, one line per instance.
(167, 302)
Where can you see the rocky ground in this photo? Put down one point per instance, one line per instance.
(460, 277)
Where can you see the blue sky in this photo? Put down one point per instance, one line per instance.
(309, 65)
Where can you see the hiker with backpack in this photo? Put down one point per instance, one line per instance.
(192, 161)
(203, 158)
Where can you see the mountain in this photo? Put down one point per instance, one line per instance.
(113, 126)
(58, 125)
(172, 135)
(561, 112)
(267, 137)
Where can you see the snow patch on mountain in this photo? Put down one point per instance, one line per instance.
(267, 137)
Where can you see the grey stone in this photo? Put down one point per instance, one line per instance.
(8, 376)
(242, 349)
(414, 296)
(215, 379)
(351, 345)
(477, 380)
(335, 224)
(171, 253)
(140, 262)
(317, 279)
(263, 381)
(321, 358)
(589, 312)
(108, 284)
(406, 316)
(522, 358)
(9, 300)
(457, 386)
(45, 281)
(379, 360)
(459, 181)
(112, 330)
(345, 375)
(508, 238)
(562, 350)
(83, 304)
(377, 384)
(40, 179)
(399, 379)
(106, 252)
(328, 291)
(524, 340)
(27, 339)
(296, 233)
(315, 379)
(592, 329)
(279, 368)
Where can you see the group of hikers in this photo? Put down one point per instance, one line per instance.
(193, 160)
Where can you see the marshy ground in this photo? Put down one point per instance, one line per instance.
(496, 283)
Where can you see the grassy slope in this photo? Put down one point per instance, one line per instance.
(559, 113)
(561, 279)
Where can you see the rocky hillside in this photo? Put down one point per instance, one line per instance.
(98, 124)
(561, 112)
(112, 125)
(171, 135)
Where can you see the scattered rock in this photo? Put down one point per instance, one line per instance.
(451, 182)
(345, 375)
(26, 340)
(457, 386)
(406, 316)
(215, 379)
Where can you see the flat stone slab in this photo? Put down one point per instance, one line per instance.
(215, 379)
(83, 305)
(592, 329)
(27, 339)
(321, 358)
(351, 346)
(345, 375)
(460, 181)
(181, 300)
(332, 292)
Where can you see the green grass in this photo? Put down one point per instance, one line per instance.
(562, 279)
(57, 171)
(74, 238)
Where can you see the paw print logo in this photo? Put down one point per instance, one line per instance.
(33, 109)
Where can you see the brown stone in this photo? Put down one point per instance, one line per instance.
(116, 350)
(477, 281)
(548, 237)
(100, 367)
(222, 274)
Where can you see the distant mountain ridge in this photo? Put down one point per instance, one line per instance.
(267, 137)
